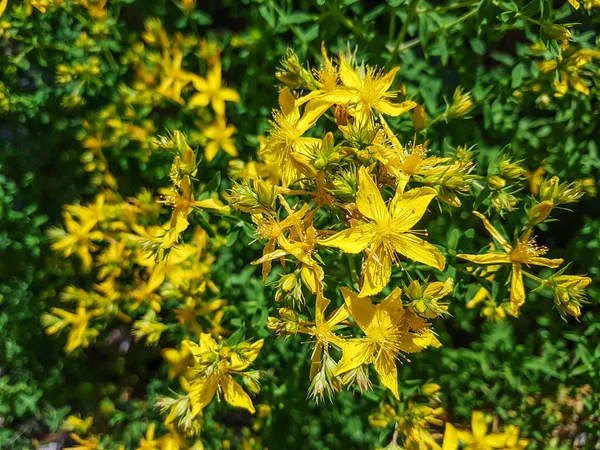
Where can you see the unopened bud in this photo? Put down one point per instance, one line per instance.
(540, 212)
(556, 31)
(419, 118)
(461, 104)
(496, 182)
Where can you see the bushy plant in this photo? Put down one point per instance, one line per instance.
(389, 243)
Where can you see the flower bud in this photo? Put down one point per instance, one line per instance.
(540, 212)
(556, 31)
(430, 389)
(504, 201)
(511, 170)
(461, 104)
(496, 182)
(289, 289)
(419, 118)
(345, 185)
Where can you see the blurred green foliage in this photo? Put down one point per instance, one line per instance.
(529, 371)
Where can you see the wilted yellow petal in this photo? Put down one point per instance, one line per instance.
(495, 234)
(3, 4)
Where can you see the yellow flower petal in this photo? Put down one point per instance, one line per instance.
(352, 240)
(517, 289)
(487, 258)
(388, 372)
(361, 309)
(377, 271)
(419, 250)
(394, 109)
(3, 4)
(495, 234)
(355, 352)
(241, 361)
(496, 440)
(450, 438)
(407, 208)
(478, 424)
(202, 392)
(235, 395)
(369, 200)
(546, 262)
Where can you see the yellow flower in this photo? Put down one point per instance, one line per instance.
(388, 331)
(81, 426)
(173, 77)
(90, 443)
(365, 90)
(386, 232)
(148, 442)
(524, 251)
(287, 135)
(211, 90)
(569, 65)
(267, 227)
(219, 135)
(323, 331)
(79, 335)
(478, 439)
(216, 363)
(77, 239)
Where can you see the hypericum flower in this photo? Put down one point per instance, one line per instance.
(411, 421)
(267, 227)
(173, 77)
(477, 439)
(389, 331)
(524, 251)
(80, 335)
(386, 232)
(569, 66)
(287, 135)
(323, 331)
(211, 90)
(219, 135)
(365, 91)
(215, 365)
(78, 238)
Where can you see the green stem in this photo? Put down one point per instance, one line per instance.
(417, 41)
(442, 9)
(335, 11)
(533, 277)
(404, 30)
(517, 14)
